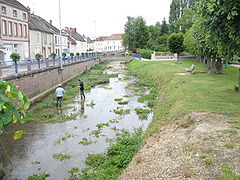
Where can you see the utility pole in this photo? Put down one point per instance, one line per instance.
(95, 29)
(60, 24)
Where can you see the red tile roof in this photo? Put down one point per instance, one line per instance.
(114, 37)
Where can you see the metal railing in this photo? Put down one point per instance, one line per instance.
(8, 68)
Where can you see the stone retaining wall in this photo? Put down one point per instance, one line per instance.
(38, 83)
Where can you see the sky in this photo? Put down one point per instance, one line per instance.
(95, 18)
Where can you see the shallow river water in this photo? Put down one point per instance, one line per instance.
(33, 154)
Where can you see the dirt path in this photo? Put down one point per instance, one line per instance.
(197, 146)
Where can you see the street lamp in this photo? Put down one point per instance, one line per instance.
(60, 24)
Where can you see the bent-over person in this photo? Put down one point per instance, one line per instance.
(59, 93)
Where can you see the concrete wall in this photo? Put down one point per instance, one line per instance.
(38, 83)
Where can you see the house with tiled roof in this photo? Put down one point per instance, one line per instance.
(14, 37)
(112, 43)
(72, 45)
(56, 38)
(41, 37)
(99, 44)
(90, 43)
(81, 46)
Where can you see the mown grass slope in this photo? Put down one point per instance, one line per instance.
(183, 94)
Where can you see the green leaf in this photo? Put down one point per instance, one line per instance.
(4, 98)
(16, 113)
(1, 124)
(1, 104)
(6, 117)
(18, 134)
(8, 89)
(20, 95)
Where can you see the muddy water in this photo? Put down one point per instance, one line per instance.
(33, 154)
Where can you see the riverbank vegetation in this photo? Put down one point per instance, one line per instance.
(199, 109)
(182, 94)
(45, 111)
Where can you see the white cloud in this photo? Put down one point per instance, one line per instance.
(110, 16)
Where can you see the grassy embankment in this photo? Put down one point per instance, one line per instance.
(182, 94)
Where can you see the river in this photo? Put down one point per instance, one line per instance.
(33, 154)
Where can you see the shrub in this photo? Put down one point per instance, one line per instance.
(145, 53)
(175, 42)
(71, 54)
(15, 57)
(77, 54)
(53, 55)
(64, 54)
(38, 56)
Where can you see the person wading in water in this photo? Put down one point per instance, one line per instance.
(59, 93)
(81, 86)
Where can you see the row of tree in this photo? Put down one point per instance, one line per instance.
(215, 33)
(139, 35)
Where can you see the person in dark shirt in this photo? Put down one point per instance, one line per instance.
(81, 86)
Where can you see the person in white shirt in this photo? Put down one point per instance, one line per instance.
(59, 93)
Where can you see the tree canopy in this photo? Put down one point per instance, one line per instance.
(136, 33)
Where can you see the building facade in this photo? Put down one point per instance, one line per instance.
(81, 46)
(56, 38)
(14, 19)
(41, 38)
(113, 43)
(90, 44)
(99, 44)
(72, 45)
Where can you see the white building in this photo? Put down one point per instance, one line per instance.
(41, 38)
(113, 43)
(81, 46)
(99, 44)
(14, 29)
(90, 44)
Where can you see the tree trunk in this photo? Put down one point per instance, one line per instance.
(219, 66)
(202, 59)
(239, 80)
(178, 60)
(209, 64)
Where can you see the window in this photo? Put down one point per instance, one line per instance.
(36, 49)
(55, 39)
(4, 28)
(38, 40)
(24, 16)
(25, 30)
(21, 30)
(15, 13)
(10, 28)
(15, 29)
(4, 10)
(45, 39)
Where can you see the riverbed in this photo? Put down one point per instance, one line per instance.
(91, 131)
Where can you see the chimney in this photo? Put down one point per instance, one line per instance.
(50, 21)
(74, 29)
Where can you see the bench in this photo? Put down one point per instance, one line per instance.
(192, 69)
